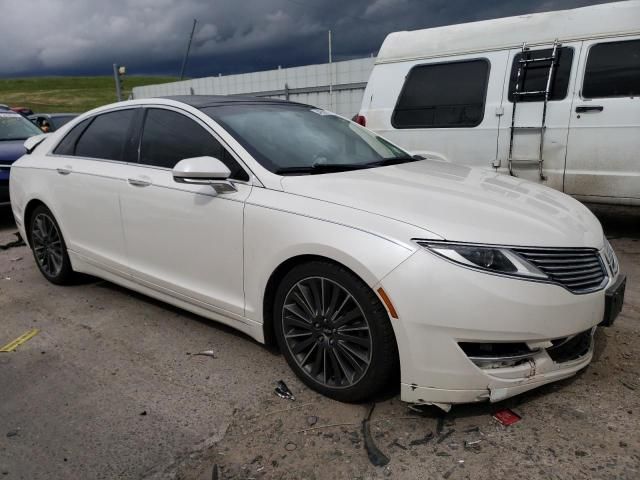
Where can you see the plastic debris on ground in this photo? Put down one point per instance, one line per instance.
(206, 353)
(507, 417)
(422, 441)
(376, 457)
(16, 243)
(283, 391)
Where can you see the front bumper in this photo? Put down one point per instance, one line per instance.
(441, 305)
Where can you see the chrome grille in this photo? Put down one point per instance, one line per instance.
(579, 270)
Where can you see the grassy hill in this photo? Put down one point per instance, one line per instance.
(67, 94)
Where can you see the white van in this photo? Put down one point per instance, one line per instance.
(550, 97)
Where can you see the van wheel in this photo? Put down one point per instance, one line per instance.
(49, 248)
(334, 332)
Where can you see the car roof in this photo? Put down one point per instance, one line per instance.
(202, 101)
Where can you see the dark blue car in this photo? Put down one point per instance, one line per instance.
(14, 130)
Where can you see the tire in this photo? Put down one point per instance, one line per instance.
(334, 332)
(49, 248)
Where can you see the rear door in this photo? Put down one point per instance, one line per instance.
(603, 158)
(89, 168)
(529, 111)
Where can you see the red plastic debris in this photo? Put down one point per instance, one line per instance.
(507, 417)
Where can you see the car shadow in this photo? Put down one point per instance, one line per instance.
(140, 297)
(618, 221)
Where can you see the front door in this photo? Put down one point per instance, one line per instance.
(182, 239)
(603, 158)
(527, 122)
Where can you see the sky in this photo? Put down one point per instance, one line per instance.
(85, 37)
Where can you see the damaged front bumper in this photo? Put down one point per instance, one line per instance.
(465, 336)
(542, 367)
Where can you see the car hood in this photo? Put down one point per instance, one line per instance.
(11, 150)
(459, 203)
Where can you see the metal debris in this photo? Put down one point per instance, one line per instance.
(13, 433)
(215, 474)
(283, 391)
(376, 457)
(507, 417)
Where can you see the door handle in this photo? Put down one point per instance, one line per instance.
(589, 108)
(138, 182)
(64, 171)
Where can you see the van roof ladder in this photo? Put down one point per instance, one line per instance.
(518, 94)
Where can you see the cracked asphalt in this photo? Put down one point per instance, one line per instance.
(110, 388)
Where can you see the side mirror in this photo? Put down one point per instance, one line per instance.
(204, 171)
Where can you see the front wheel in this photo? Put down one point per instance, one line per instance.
(334, 332)
(49, 248)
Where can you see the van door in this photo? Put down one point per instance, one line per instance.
(524, 146)
(603, 157)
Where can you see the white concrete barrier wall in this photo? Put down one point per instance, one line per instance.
(307, 84)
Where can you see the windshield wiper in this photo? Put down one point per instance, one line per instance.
(337, 167)
(322, 168)
(394, 161)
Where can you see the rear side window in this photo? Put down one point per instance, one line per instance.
(534, 75)
(106, 136)
(60, 121)
(613, 70)
(443, 95)
(68, 144)
(169, 137)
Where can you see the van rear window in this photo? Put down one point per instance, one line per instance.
(443, 95)
(613, 70)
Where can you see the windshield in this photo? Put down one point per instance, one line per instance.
(15, 127)
(295, 139)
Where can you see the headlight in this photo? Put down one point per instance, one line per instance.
(484, 257)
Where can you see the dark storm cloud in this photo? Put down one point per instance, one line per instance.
(149, 36)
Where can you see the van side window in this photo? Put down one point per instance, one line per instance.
(534, 75)
(443, 95)
(613, 70)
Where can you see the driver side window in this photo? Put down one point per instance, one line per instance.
(169, 137)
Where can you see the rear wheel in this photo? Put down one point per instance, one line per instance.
(334, 332)
(49, 248)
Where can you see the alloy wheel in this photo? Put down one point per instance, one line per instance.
(327, 332)
(47, 245)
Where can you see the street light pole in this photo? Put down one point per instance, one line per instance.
(186, 54)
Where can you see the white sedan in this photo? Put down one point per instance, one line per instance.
(365, 265)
